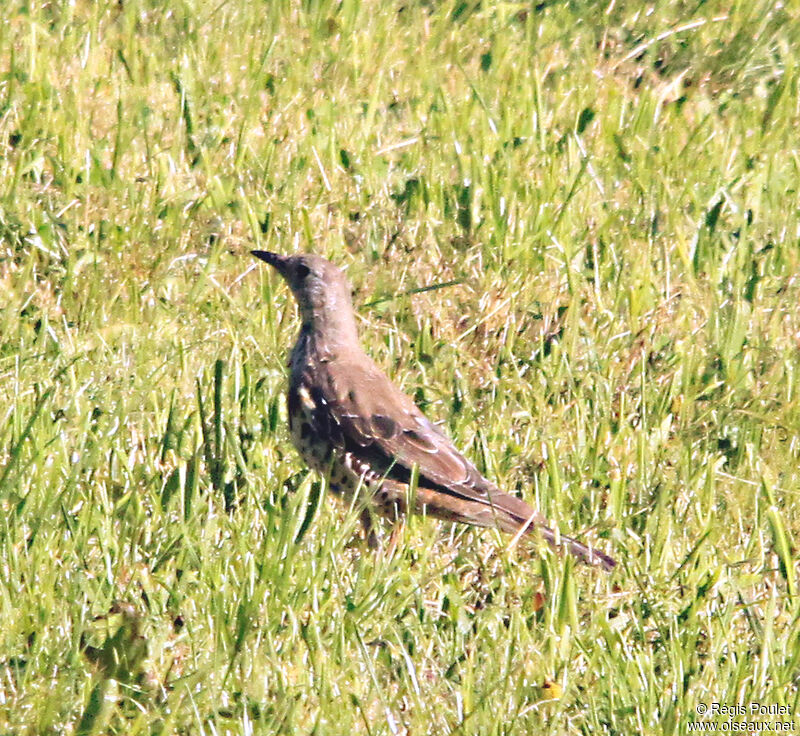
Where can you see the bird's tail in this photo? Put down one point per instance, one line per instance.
(585, 553)
(509, 514)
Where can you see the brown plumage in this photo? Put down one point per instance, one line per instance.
(349, 421)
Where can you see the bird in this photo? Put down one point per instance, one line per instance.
(352, 425)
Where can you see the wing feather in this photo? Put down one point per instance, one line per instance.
(368, 415)
(362, 412)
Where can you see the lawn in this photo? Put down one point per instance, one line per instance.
(573, 232)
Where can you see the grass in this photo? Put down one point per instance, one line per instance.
(613, 190)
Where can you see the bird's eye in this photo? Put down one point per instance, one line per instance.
(302, 271)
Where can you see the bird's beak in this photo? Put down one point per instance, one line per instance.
(278, 262)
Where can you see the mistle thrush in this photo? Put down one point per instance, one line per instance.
(349, 422)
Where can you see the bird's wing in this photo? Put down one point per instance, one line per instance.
(366, 414)
(362, 412)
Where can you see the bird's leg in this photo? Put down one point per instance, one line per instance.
(394, 538)
(371, 535)
(369, 529)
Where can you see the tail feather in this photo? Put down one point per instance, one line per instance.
(512, 514)
(508, 513)
(585, 553)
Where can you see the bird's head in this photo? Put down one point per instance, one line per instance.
(320, 288)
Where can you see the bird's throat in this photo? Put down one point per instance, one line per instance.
(331, 328)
